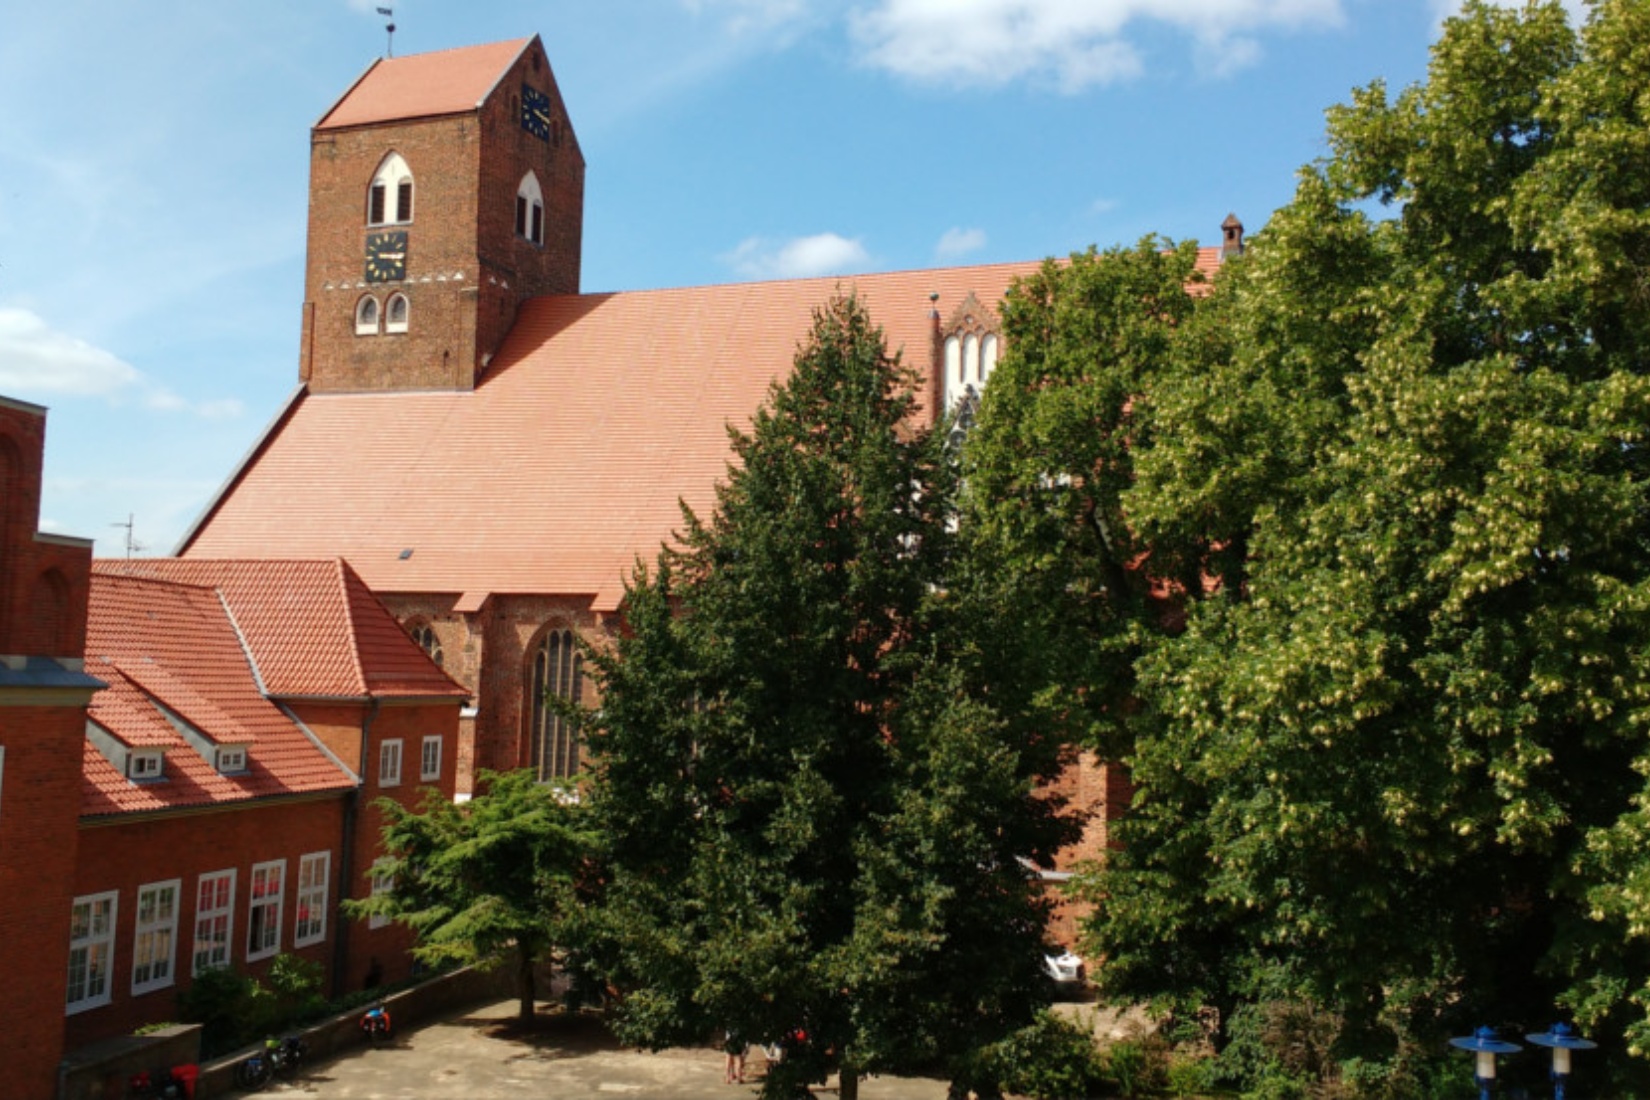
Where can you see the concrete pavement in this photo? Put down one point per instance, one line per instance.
(483, 1054)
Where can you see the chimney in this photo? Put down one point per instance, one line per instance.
(1231, 237)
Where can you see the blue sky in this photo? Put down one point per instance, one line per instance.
(154, 166)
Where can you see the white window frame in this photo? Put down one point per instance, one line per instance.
(429, 763)
(94, 948)
(263, 911)
(314, 877)
(214, 923)
(367, 312)
(390, 323)
(382, 883)
(145, 765)
(155, 937)
(392, 173)
(530, 209)
(389, 762)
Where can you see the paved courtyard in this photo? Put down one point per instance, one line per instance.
(482, 1054)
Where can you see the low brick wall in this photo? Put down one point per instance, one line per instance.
(343, 1032)
(100, 1071)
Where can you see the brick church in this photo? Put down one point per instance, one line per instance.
(493, 450)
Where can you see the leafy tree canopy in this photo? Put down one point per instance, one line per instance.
(814, 820)
(1391, 473)
(486, 879)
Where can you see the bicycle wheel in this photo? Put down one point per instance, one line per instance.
(254, 1073)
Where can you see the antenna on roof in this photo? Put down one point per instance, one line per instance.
(389, 31)
(132, 544)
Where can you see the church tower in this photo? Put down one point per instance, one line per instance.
(444, 189)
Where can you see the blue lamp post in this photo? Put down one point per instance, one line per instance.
(1562, 1039)
(1486, 1046)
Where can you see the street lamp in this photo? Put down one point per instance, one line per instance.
(1562, 1039)
(1486, 1046)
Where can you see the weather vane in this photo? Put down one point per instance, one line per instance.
(389, 31)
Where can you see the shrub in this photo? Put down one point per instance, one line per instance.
(221, 1000)
(1139, 1066)
(1051, 1059)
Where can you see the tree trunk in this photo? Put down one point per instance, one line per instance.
(524, 980)
(848, 1082)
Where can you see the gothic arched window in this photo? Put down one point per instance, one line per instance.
(424, 635)
(530, 209)
(395, 314)
(558, 670)
(366, 316)
(390, 200)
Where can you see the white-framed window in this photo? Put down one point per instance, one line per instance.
(263, 914)
(91, 951)
(214, 919)
(429, 760)
(390, 198)
(395, 313)
(366, 316)
(382, 883)
(530, 209)
(145, 764)
(313, 873)
(389, 763)
(154, 945)
(231, 759)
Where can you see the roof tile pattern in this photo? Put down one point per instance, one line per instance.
(314, 628)
(423, 85)
(173, 644)
(567, 463)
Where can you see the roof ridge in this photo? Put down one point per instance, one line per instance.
(353, 635)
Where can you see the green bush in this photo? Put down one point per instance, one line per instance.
(1139, 1066)
(1051, 1059)
(1190, 1076)
(222, 1001)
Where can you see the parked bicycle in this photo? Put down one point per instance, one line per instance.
(158, 1084)
(282, 1056)
(375, 1023)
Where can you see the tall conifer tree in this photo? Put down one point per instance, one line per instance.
(815, 824)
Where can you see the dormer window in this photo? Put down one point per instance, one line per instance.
(390, 199)
(145, 765)
(530, 209)
(230, 759)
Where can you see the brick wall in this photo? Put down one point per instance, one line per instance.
(141, 849)
(466, 269)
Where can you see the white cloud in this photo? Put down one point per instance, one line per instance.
(955, 242)
(799, 258)
(746, 18)
(1072, 44)
(36, 359)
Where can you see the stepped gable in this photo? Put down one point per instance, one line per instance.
(161, 644)
(314, 629)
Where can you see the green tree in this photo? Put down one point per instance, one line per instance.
(814, 820)
(487, 879)
(1392, 473)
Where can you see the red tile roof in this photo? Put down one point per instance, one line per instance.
(161, 644)
(600, 413)
(424, 85)
(314, 629)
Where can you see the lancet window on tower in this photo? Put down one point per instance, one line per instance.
(395, 313)
(530, 209)
(390, 199)
(366, 316)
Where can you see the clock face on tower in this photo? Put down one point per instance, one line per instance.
(387, 256)
(535, 112)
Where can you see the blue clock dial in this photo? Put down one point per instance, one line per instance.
(535, 112)
(387, 256)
